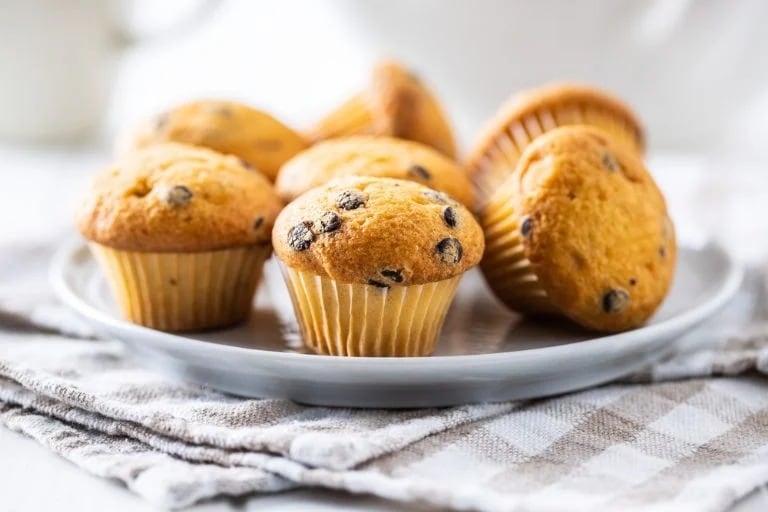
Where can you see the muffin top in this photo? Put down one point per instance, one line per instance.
(594, 226)
(378, 231)
(557, 104)
(402, 106)
(232, 128)
(383, 157)
(172, 197)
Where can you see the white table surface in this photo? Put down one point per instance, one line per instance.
(39, 191)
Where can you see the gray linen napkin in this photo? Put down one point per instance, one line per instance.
(688, 433)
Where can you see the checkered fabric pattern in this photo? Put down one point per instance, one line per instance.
(688, 433)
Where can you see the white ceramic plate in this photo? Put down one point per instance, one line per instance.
(485, 352)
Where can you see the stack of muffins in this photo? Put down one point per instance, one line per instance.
(373, 220)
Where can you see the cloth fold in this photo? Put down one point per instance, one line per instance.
(687, 433)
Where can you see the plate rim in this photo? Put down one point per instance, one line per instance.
(734, 274)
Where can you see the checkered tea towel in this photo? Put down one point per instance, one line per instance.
(687, 434)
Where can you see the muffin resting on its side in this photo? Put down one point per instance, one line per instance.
(529, 114)
(231, 128)
(372, 264)
(383, 157)
(181, 233)
(580, 229)
(396, 103)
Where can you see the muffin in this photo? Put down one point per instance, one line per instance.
(231, 128)
(581, 230)
(396, 103)
(383, 157)
(528, 114)
(181, 234)
(372, 264)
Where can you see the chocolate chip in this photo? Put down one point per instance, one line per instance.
(161, 121)
(663, 251)
(449, 216)
(300, 237)
(178, 195)
(419, 171)
(327, 223)
(246, 164)
(526, 227)
(377, 284)
(350, 200)
(172, 282)
(258, 223)
(449, 251)
(222, 111)
(435, 196)
(615, 301)
(610, 162)
(632, 281)
(393, 275)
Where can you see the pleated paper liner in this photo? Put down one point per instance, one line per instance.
(351, 319)
(502, 153)
(505, 268)
(183, 291)
(353, 117)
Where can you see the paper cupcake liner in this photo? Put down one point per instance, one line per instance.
(183, 291)
(505, 268)
(501, 156)
(349, 319)
(353, 117)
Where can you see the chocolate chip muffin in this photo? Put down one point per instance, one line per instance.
(580, 229)
(181, 233)
(530, 113)
(255, 137)
(384, 157)
(372, 264)
(396, 103)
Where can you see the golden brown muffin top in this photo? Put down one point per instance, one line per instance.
(173, 197)
(383, 157)
(548, 97)
(412, 109)
(594, 226)
(379, 231)
(398, 105)
(228, 127)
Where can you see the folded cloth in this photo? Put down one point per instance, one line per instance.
(687, 433)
